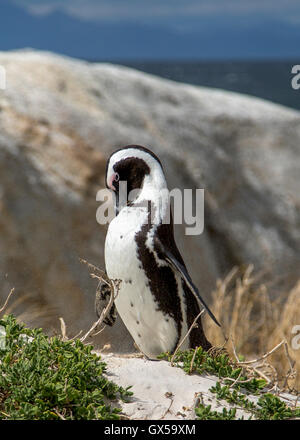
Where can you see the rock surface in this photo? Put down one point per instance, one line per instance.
(60, 119)
(162, 392)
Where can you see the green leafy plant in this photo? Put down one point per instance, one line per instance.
(205, 413)
(232, 396)
(233, 379)
(48, 378)
(270, 407)
(218, 364)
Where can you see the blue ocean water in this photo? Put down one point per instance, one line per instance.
(265, 79)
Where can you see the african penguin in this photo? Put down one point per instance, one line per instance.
(157, 300)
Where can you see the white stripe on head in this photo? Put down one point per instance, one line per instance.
(154, 186)
(156, 176)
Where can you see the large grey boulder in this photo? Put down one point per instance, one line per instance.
(60, 119)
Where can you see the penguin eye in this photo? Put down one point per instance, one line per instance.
(117, 177)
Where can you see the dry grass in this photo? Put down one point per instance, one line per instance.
(27, 309)
(253, 325)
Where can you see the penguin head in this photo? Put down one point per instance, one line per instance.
(135, 165)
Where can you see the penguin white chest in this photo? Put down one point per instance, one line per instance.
(153, 331)
(120, 247)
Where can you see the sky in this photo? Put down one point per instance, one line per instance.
(166, 10)
(154, 29)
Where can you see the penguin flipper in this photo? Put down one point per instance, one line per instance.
(179, 267)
